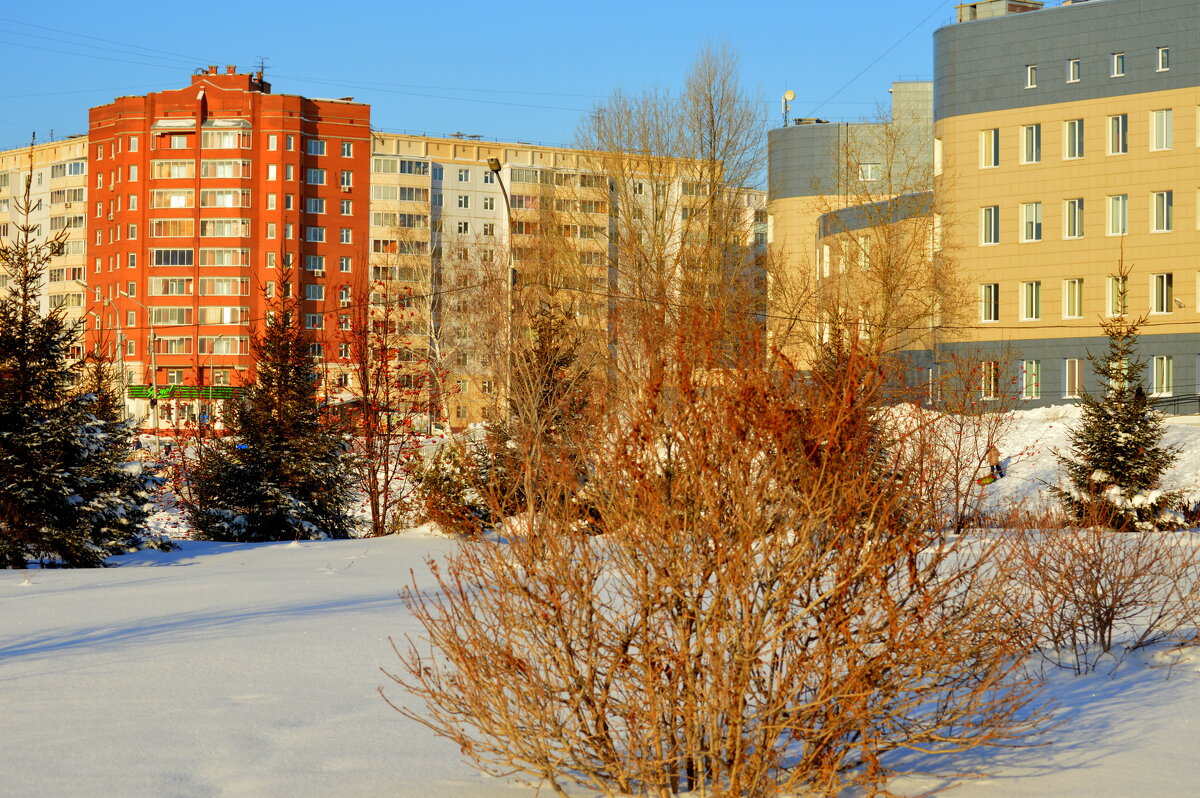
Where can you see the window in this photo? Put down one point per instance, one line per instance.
(170, 286)
(1031, 300)
(1031, 379)
(224, 315)
(1160, 129)
(314, 263)
(989, 225)
(172, 198)
(990, 379)
(313, 321)
(289, 201)
(344, 263)
(1073, 298)
(224, 286)
(224, 140)
(172, 257)
(1031, 143)
(464, 228)
(989, 302)
(1118, 65)
(172, 228)
(347, 207)
(290, 141)
(225, 198)
(314, 205)
(1073, 218)
(234, 169)
(133, 143)
(315, 147)
(1072, 377)
(1162, 289)
(347, 149)
(222, 256)
(464, 201)
(346, 179)
(314, 177)
(172, 169)
(1118, 134)
(1073, 70)
(869, 171)
(314, 233)
(170, 315)
(1164, 212)
(272, 142)
(489, 229)
(1164, 59)
(314, 292)
(489, 203)
(1073, 139)
(464, 175)
(1031, 76)
(1118, 215)
(1118, 295)
(289, 171)
(1031, 221)
(1163, 368)
(224, 228)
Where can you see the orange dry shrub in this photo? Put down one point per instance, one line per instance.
(768, 608)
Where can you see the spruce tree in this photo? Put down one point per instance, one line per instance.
(1117, 459)
(68, 495)
(282, 473)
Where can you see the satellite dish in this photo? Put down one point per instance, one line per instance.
(789, 95)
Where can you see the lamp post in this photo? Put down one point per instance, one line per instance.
(494, 165)
(153, 366)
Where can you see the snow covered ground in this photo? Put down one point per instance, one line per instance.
(252, 670)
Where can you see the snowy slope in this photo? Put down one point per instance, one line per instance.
(251, 670)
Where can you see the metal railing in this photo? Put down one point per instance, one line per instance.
(1186, 405)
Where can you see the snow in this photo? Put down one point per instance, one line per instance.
(248, 670)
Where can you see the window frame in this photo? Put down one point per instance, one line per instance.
(1072, 295)
(1162, 59)
(989, 303)
(1072, 377)
(1073, 218)
(1031, 222)
(1031, 143)
(1074, 70)
(1162, 211)
(1073, 139)
(1031, 389)
(1117, 65)
(1162, 136)
(1118, 134)
(1031, 300)
(1162, 375)
(1162, 293)
(1031, 76)
(1115, 202)
(989, 222)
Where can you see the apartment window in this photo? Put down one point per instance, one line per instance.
(313, 321)
(990, 379)
(272, 142)
(1031, 221)
(1073, 298)
(869, 171)
(226, 168)
(989, 225)
(291, 143)
(489, 229)
(1031, 143)
(1118, 134)
(1073, 218)
(344, 235)
(289, 201)
(1160, 129)
(489, 203)
(1164, 212)
(1164, 59)
(314, 233)
(347, 149)
(316, 147)
(1118, 295)
(224, 140)
(271, 229)
(464, 228)
(464, 175)
(314, 205)
(989, 302)
(1031, 76)
(172, 169)
(289, 172)
(1073, 139)
(314, 292)
(464, 201)
(272, 201)
(1118, 215)
(1163, 367)
(347, 207)
(344, 263)
(1031, 300)
(1118, 65)
(1031, 379)
(1073, 70)
(1162, 290)
(1072, 377)
(346, 179)
(314, 177)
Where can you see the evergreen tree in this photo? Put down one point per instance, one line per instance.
(283, 472)
(68, 496)
(1117, 459)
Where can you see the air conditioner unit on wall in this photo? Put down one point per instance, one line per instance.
(319, 273)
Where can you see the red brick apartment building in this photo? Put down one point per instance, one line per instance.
(199, 199)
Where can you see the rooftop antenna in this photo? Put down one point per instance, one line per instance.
(262, 68)
(788, 96)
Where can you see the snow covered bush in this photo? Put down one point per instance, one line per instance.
(767, 608)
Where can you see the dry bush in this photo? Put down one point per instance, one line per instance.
(767, 608)
(1099, 594)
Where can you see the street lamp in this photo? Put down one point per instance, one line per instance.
(494, 165)
(153, 365)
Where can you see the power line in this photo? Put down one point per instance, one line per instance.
(123, 45)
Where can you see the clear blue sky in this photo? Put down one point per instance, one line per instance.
(523, 71)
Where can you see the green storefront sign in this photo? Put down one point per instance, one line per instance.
(185, 392)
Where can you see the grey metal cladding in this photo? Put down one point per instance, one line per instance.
(802, 160)
(875, 214)
(979, 66)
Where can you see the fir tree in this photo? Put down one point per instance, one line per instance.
(283, 472)
(1117, 459)
(68, 496)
